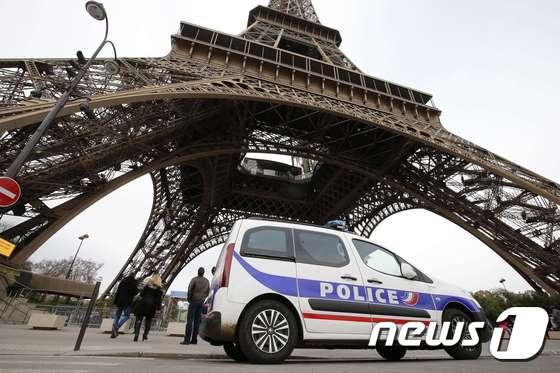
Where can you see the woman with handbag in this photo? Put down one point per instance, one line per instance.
(147, 305)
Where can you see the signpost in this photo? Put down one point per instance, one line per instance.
(85, 321)
(10, 191)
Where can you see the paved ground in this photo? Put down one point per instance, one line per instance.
(24, 350)
(82, 364)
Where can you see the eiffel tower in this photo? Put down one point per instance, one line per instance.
(362, 148)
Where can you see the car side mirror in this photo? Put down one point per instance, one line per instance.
(408, 272)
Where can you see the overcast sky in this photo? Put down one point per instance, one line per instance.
(492, 66)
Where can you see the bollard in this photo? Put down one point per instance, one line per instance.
(85, 321)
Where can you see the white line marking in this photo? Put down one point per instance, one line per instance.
(86, 363)
(42, 370)
(7, 193)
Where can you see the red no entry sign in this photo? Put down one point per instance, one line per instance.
(9, 191)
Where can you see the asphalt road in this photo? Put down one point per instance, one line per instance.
(25, 350)
(83, 364)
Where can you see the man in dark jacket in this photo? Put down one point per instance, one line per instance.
(199, 288)
(126, 291)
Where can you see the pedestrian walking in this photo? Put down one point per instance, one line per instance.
(199, 288)
(124, 296)
(147, 305)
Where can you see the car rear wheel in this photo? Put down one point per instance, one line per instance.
(391, 353)
(267, 332)
(234, 352)
(458, 351)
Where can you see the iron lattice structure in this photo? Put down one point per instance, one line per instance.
(368, 148)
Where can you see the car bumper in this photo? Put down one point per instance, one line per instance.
(212, 330)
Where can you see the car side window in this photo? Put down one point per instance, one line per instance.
(378, 258)
(268, 242)
(320, 249)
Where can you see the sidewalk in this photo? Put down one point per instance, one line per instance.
(20, 340)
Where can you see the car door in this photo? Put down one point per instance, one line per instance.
(331, 291)
(391, 296)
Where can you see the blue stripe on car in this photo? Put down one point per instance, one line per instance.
(309, 288)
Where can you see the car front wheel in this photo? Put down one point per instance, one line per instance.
(267, 332)
(458, 351)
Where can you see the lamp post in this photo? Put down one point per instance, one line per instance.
(97, 11)
(503, 282)
(81, 238)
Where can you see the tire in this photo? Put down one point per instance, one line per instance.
(458, 351)
(267, 332)
(391, 353)
(233, 352)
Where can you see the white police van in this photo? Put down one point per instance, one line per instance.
(281, 285)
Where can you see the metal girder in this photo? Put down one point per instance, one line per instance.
(299, 8)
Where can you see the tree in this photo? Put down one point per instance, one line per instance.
(495, 301)
(84, 270)
(491, 302)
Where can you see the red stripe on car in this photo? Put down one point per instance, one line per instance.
(323, 316)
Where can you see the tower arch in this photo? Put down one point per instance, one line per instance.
(282, 87)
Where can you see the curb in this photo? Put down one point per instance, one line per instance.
(170, 355)
(181, 356)
(156, 355)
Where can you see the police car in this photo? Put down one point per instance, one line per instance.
(280, 285)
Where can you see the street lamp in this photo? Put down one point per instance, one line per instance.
(503, 282)
(81, 238)
(97, 11)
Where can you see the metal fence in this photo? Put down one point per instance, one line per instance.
(14, 302)
(20, 300)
